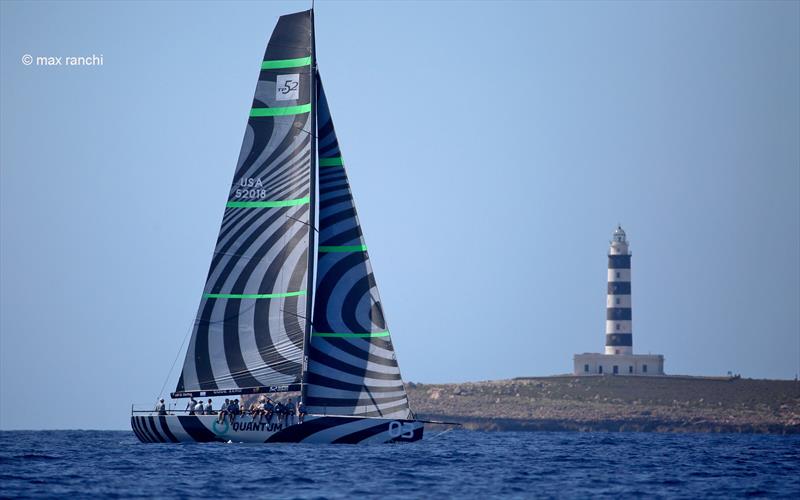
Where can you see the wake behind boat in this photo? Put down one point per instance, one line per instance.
(252, 334)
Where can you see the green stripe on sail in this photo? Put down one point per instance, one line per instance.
(267, 204)
(351, 335)
(284, 111)
(286, 63)
(331, 162)
(342, 249)
(252, 295)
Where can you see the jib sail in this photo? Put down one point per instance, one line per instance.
(352, 368)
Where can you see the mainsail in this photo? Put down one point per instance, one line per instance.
(352, 368)
(249, 332)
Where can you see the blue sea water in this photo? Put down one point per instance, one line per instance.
(457, 464)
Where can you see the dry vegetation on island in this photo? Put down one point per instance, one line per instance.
(609, 403)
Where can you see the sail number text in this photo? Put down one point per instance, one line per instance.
(250, 187)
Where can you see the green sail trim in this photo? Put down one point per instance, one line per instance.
(342, 249)
(252, 295)
(286, 63)
(268, 204)
(351, 335)
(284, 111)
(331, 162)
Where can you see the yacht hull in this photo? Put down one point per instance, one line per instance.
(154, 428)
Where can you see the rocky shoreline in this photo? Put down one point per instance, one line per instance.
(615, 404)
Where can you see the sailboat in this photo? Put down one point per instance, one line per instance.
(253, 333)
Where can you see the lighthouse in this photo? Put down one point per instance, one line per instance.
(618, 358)
(619, 331)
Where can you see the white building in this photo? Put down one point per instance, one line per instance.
(618, 358)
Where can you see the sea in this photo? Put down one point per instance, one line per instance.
(446, 464)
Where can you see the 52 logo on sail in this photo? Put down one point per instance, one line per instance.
(287, 87)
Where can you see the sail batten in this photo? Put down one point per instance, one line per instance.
(248, 335)
(252, 295)
(286, 63)
(280, 111)
(351, 335)
(267, 204)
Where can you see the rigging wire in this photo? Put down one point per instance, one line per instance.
(166, 379)
(439, 434)
(302, 222)
(297, 315)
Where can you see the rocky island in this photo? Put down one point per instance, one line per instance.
(609, 403)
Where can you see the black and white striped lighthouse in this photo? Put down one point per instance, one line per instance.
(618, 358)
(619, 331)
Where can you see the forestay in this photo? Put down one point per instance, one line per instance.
(249, 331)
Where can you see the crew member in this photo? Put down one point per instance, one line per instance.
(301, 412)
(223, 411)
(290, 412)
(279, 410)
(269, 407)
(190, 406)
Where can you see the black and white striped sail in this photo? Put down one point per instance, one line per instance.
(352, 368)
(249, 330)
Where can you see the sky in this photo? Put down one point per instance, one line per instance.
(492, 148)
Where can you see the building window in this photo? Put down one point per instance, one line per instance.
(644, 368)
(586, 368)
(630, 369)
(617, 274)
(616, 351)
(616, 369)
(600, 369)
(616, 300)
(617, 326)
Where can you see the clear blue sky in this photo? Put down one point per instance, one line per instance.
(492, 148)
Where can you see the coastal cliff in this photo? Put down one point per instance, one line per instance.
(608, 403)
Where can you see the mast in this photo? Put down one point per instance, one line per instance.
(312, 252)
